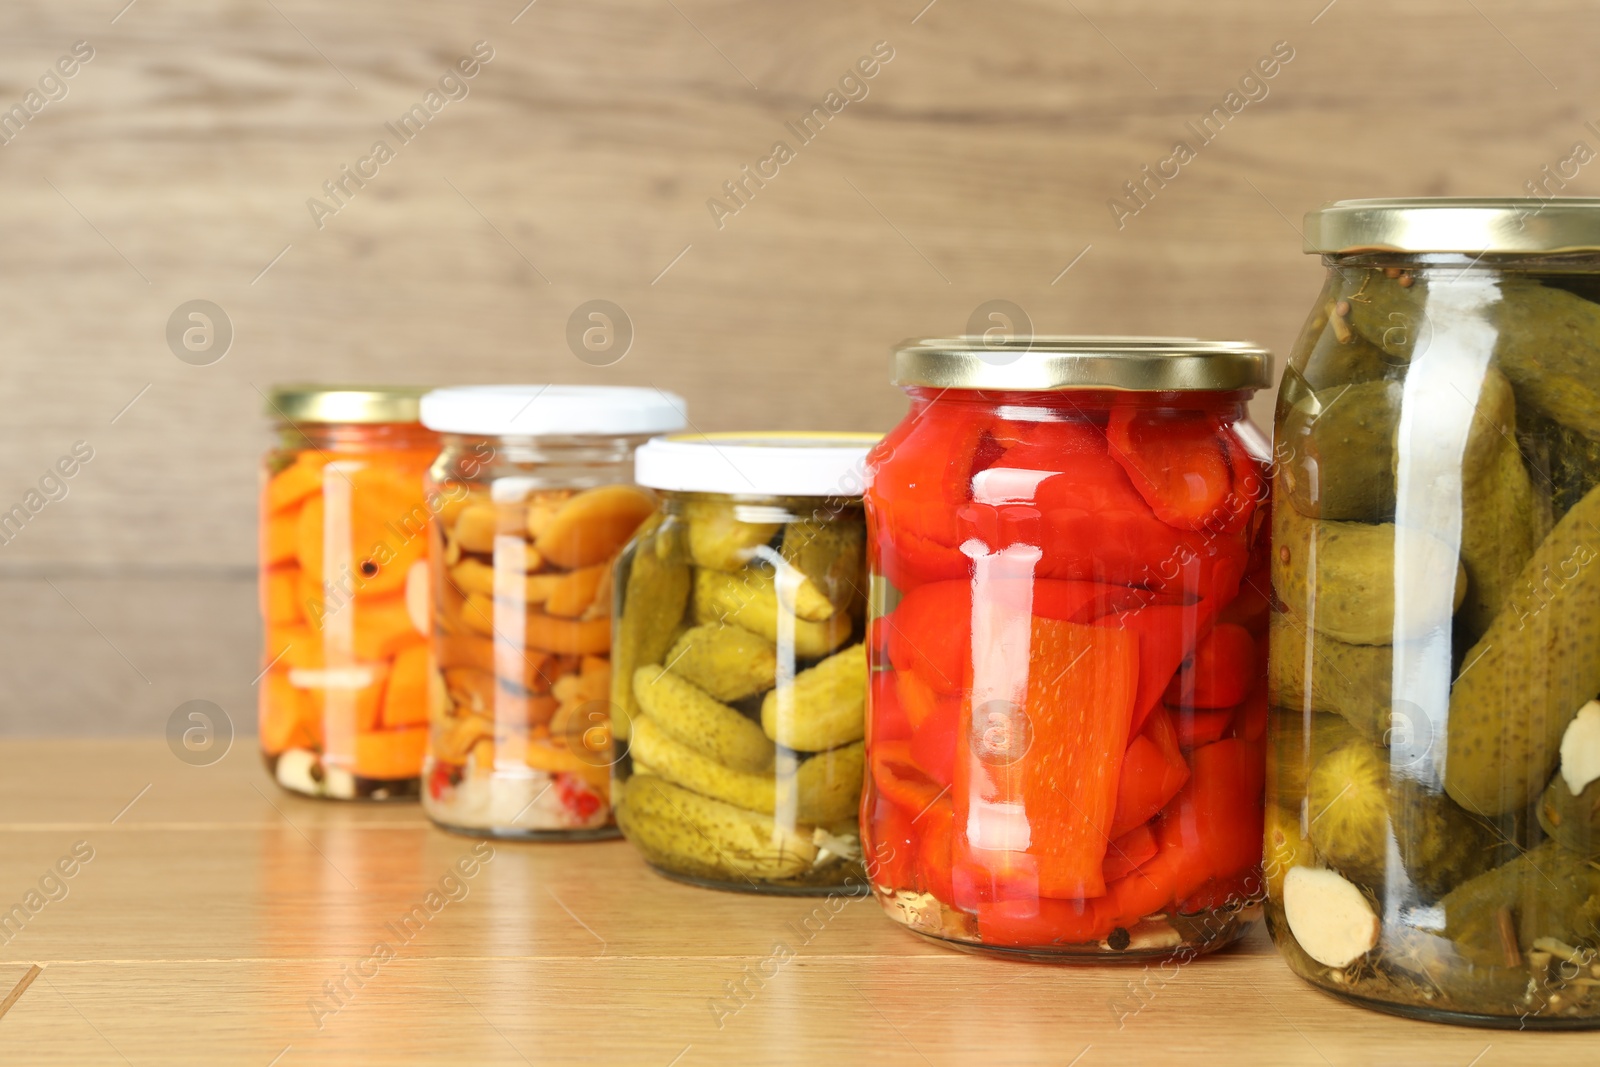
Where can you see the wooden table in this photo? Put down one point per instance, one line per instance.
(216, 909)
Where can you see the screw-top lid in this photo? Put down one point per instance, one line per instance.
(552, 410)
(1504, 225)
(756, 464)
(1132, 364)
(305, 402)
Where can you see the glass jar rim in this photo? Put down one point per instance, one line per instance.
(1122, 364)
(304, 402)
(552, 410)
(1489, 225)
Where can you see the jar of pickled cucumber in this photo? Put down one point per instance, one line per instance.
(539, 484)
(1433, 820)
(1067, 709)
(344, 536)
(741, 668)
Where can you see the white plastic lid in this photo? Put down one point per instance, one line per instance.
(552, 410)
(756, 464)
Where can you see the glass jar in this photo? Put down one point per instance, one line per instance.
(540, 484)
(1067, 720)
(740, 688)
(1434, 816)
(344, 535)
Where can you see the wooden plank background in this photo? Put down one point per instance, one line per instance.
(979, 166)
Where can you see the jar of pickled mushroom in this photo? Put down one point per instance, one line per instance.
(741, 672)
(541, 499)
(1067, 706)
(344, 536)
(1433, 822)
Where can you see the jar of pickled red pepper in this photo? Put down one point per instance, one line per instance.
(1433, 820)
(541, 496)
(1067, 706)
(344, 536)
(741, 670)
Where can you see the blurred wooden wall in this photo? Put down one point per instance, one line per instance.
(979, 165)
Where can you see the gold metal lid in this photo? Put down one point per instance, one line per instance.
(1503, 225)
(303, 402)
(1129, 364)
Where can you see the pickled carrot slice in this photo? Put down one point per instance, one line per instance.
(405, 699)
(296, 481)
(391, 754)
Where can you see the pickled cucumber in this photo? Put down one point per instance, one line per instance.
(694, 718)
(1564, 460)
(1390, 313)
(696, 835)
(832, 556)
(727, 661)
(1341, 575)
(750, 599)
(828, 785)
(1343, 361)
(1549, 346)
(1544, 893)
(1340, 452)
(654, 596)
(686, 766)
(1348, 811)
(1499, 530)
(1297, 745)
(825, 707)
(1356, 805)
(1351, 681)
(1547, 340)
(1572, 821)
(1523, 682)
(1285, 848)
(719, 539)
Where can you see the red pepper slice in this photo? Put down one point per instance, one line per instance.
(934, 828)
(1221, 673)
(887, 720)
(1232, 892)
(1177, 462)
(1202, 726)
(1043, 922)
(1218, 816)
(934, 741)
(920, 476)
(1166, 636)
(930, 632)
(898, 779)
(1078, 704)
(1129, 852)
(1250, 719)
(888, 842)
(1153, 770)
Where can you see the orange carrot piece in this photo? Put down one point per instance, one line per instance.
(287, 719)
(405, 699)
(280, 598)
(278, 538)
(295, 482)
(391, 754)
(382, 627)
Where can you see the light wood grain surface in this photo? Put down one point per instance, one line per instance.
(979, 166)
(215, 908)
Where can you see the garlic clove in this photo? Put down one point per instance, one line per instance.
(1330, 918)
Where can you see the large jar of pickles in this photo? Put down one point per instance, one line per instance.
(540, 485)
(1434, 813)
(1066, 734)
(741, 671)
(344, 536)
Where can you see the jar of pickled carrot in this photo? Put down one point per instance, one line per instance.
(344, 536)
(540, 500)
(1068, 545)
